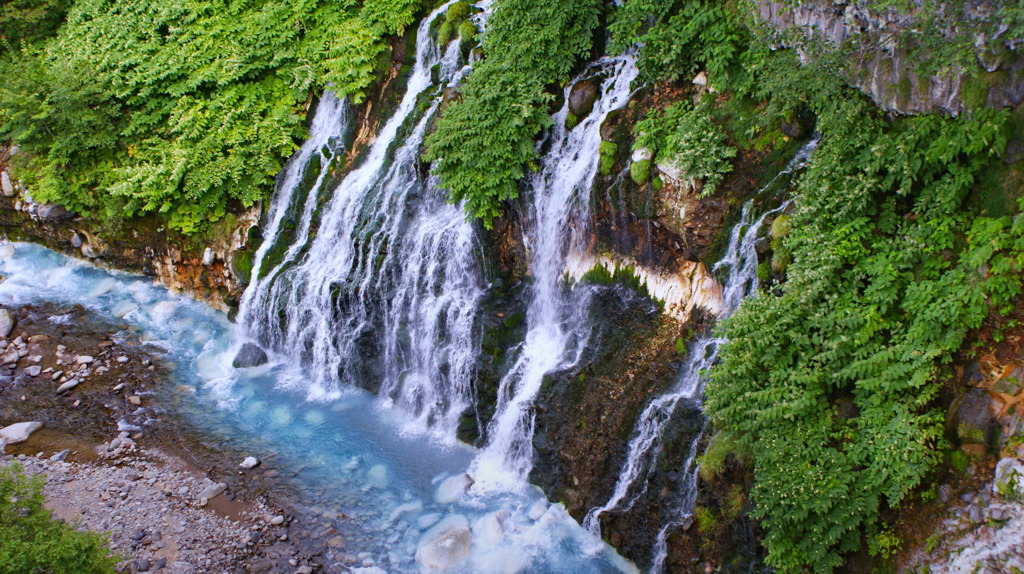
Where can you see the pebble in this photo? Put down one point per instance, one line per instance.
(84, 359)
(249, 462)
(277, 520)
(122, 359)
(68, 385)
(33, 371)
(135, 400)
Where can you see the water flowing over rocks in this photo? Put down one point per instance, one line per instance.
(249, 355)
(444, 545)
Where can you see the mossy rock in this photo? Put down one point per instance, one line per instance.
(445, 33)
(241, 266)
(467, 32)
(607, 152)
(640, 171)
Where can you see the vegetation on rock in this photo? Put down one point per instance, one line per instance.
(179, 108)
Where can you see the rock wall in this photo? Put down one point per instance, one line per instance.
(882, 66)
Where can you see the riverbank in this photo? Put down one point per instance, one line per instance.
(117, 462)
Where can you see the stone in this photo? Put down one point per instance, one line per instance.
(68, 386)
(208, 257)
(19, 432)
(213, 491)
(641, 154)
(969, 420)
(91, 251)
(33, 371)
(76, 241)
(444, 545)
(6, 185)
(7, 251)
(537, 510)
(277, 520)
(53, 212)
(60, 456)
(1009, 479)
(6, 322)
(701, 79)
(261, 566)
(490, 528)
(582, 97)
(1007, 386)
(452, 488)
(84, 359)
(944, 493)
(135, 400)
(249, 462)
(248, 356)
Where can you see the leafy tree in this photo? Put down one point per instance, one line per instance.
(32, 541)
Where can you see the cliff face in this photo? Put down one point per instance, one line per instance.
(882, 63)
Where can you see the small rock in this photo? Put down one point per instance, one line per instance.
(213, 491)
(122, 359)
(208, 257)
(945, 493)
(84, 359)
(142, 564)
(68, 386)
(76, 240)
(249, 355)
(6, 185)
(261, 566)
(135, 400)
(249, 462)
(452, 488)
(277, 520)
(33, 371)
(53, 212)
(60, 456)
(6, 319)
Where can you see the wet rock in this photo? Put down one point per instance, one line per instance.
(261, 566)
(208, 257)
(77, 241)
(135, 400)
(537, 510)
(6, 185)
(7, 251)
(1009, 478)
(6, 322)
(969, 420)
(91, 251)
(490, 528)
(277, 520)
(84, 359)
(452, 488)
(582, 97)
(250, 355)
(944, 493)
(249, 462)
(444, 545)
(53, 212)
(213, 491)
(68, 386)
(33, 371)
(60, 456)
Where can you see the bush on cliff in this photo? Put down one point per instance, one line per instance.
(178, 108)
(33, 541)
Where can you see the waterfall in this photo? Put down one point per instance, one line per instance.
(389, 274)
(558, 228)
(740, 264)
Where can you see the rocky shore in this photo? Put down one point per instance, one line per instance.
(114, 462)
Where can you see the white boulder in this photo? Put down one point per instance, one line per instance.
(452, 488)
(444, 545)
(19, 432)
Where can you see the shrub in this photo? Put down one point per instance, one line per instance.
(445, 33)
(34, 541)
(684, 136)
(457, 12)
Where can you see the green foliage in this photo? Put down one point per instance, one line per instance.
(457, 12)
(33, 541)
(764, 272)
(712, 462)
(445, 33)
(884, 543)
(483, 141)
(684, 136)
(640, 171)
(29, 21)
(892, 272)
(179, 108)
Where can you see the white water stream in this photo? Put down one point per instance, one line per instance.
(557, 326)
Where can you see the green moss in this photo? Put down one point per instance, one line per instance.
(781, 258)
(780, 227)
(457, 12)
(764, 272)
(657, 183)
(640, 171)
(445, 33)
(467, 32)
(903, 89)
(707, 523)
(959, 461)
(571, 121)
(974, 91)
(241, 265)
(607, 152)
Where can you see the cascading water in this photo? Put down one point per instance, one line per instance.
(557, 328)
(390, 275)
(739, 263)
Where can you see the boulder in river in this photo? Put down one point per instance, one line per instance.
(583, 96)
(452, 488)
(7, 251)
(6, 322)
(249, 462)
(213, 491)
(444, 545)
(250, 355)
(19, 432)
